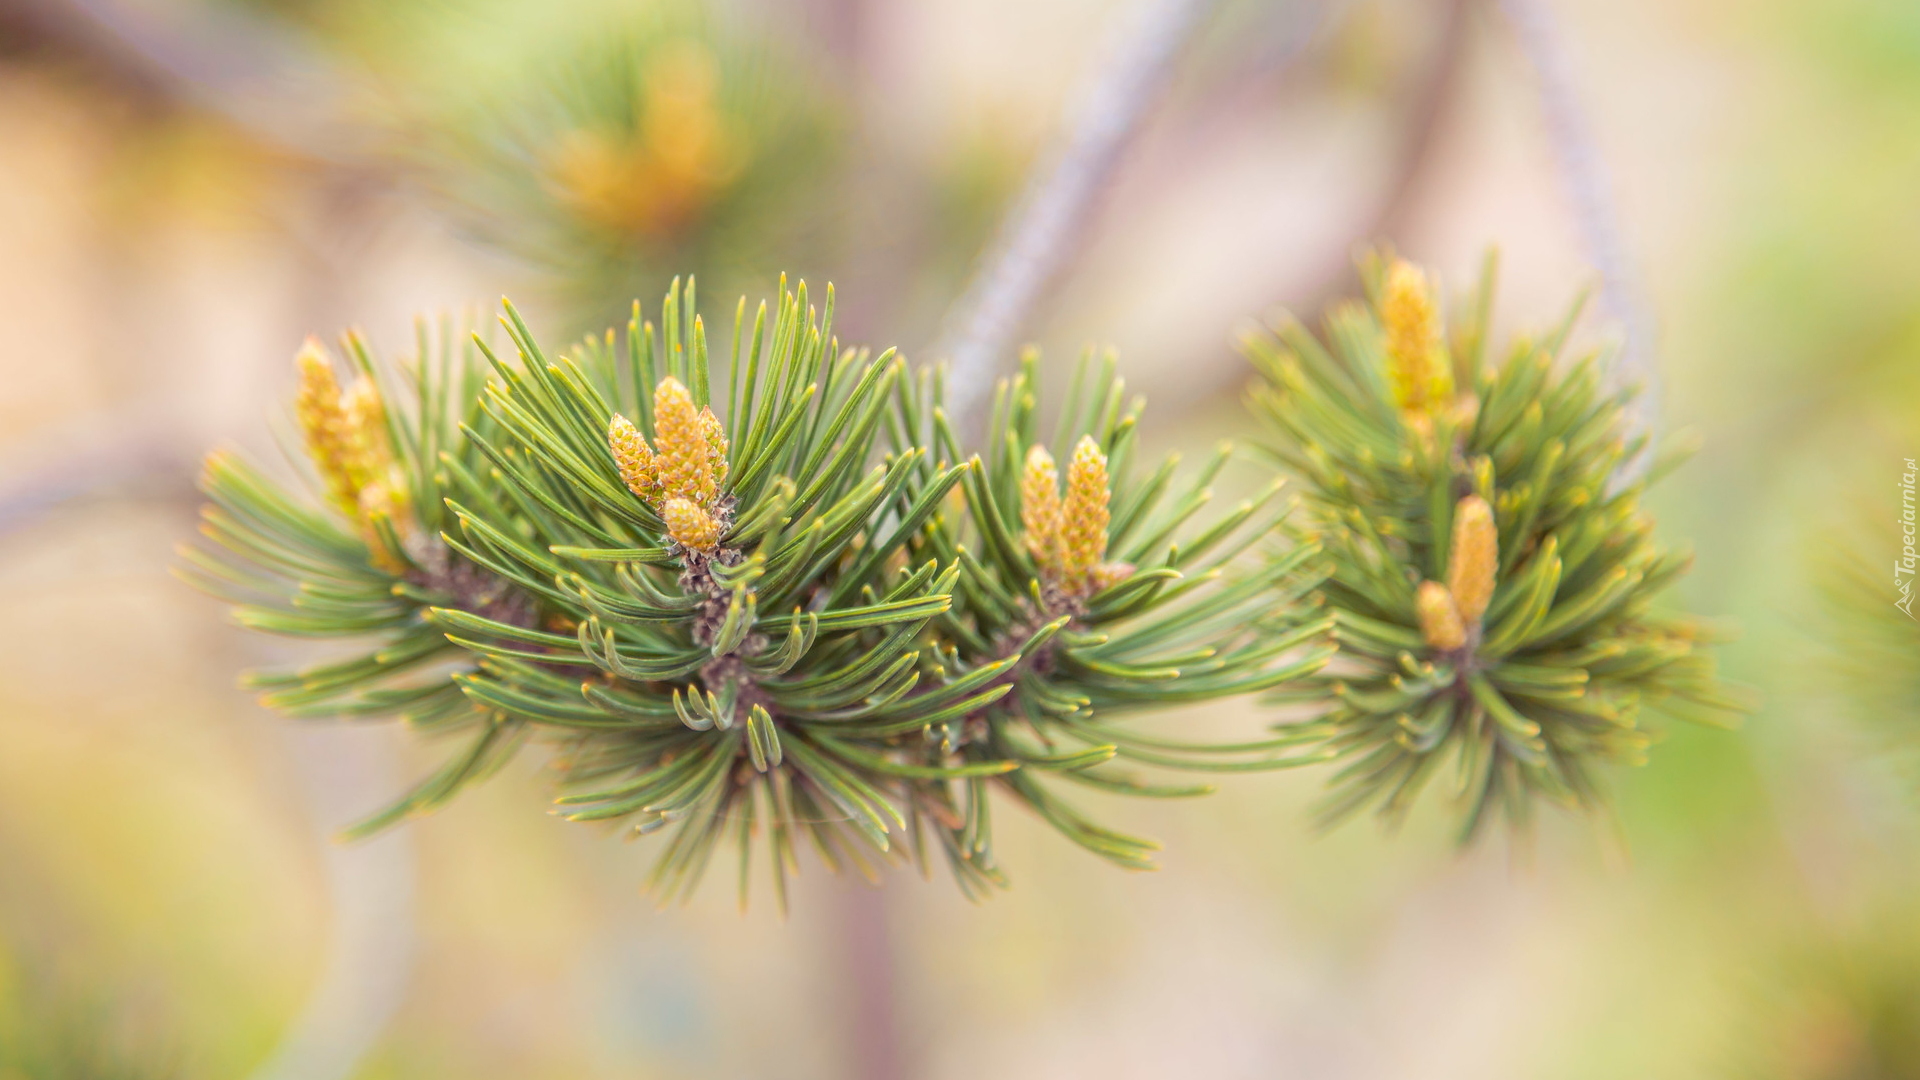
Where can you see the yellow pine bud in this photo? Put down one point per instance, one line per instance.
(691, 526)
(1440, 621)
(716, 447)
(1083, 515)
(1040, 509)
(680, 446)
(1418, 370)
(633, 457)
(1474, 557)
(604, 178)
(346, 436)
(688, 137)
(369, 457)
(323, 423)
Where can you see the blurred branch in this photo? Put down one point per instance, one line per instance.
(1049, 222)
(238, 63)
(1588, 188)
(1420, 135)
(1035, 242)
(1225, 93)
(1426, 111)
(120, 451)
(1427, 105)
(865, 960)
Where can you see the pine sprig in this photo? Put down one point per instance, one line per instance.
(1493, 588)
(769, 662)
(367, 564)
(770, 598)
(1096, 609)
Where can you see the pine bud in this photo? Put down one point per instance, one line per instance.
(1474, 557)
(323, 422)
(1083, 515)
(1417, 366)
(681, 448)
(634, 459)
(690, 526)
(1040, 509)
(346, 436)
(369, 457)
(716, 447)
(1440, 621)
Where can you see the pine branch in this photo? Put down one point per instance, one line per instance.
(818, 621)
(1494, 591)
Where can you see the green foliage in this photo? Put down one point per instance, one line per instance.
(781, 677)
(1179, 623)
(1554, 679)
(776, 597)
(296, 569)
(810, 619)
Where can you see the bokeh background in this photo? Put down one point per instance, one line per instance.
(189, 187)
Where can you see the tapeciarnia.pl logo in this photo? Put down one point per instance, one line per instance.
(1903, 567)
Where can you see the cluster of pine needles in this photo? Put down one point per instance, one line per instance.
(777, 600)
(1493, 575)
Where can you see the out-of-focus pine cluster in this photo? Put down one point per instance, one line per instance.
(1872, 641)
(1492, 573)
(671, 138)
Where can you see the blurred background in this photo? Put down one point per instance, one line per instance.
(189, 187)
